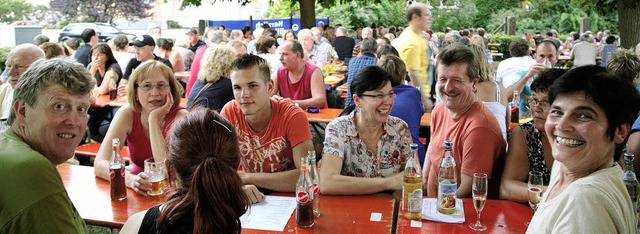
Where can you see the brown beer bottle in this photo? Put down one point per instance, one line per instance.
(304, 196)
(113, 87)
(117, 172)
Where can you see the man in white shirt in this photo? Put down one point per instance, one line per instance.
(18, 61)
(585, 52)
(512, 69)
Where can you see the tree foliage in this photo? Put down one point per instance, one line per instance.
(563, 16)
(12, 10)
(457, 14)
(487, 7)
(354, 14)
(101, 11)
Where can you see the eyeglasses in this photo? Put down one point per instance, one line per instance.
(536, 102)
(380, 96)
(148, 87)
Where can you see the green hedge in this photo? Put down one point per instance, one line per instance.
(504, 41)
(4, 52)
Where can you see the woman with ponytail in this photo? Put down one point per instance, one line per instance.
(210, 197)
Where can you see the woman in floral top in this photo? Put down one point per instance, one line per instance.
(365, 151)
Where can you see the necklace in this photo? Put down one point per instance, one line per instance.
(377, 157)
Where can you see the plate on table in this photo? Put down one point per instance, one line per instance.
(332, 79)
(341, 69)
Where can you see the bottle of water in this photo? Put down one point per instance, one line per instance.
(630, 181)
(412, 186)
(447, 181)
(315, 180)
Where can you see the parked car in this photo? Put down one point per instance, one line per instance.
(105, 31)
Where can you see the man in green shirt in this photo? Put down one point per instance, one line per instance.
(48, 120)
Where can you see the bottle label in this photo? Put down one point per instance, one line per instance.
(629, 176)
(447, 195)
(303, 197)
(316, 189)
(414, 203)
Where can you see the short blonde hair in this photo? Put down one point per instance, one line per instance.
(216, 64)
(305, 33)
(142, 72)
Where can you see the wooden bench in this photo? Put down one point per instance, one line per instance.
(90, 150)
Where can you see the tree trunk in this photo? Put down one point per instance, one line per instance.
(629, 22)
(307, 13)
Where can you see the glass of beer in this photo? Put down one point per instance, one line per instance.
(157, 174)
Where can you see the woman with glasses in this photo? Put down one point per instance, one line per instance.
(153, 97)
(365, 151)
(529, 148)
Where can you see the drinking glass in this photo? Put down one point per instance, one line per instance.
(534, 189)
(157, 174)
(479, 190)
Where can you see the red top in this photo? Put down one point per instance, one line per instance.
(195, 68)
(270, 150)
(300, 90)
(139, 144)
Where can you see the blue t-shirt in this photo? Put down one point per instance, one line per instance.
(215, 97)
(408, 106)
(636, 125)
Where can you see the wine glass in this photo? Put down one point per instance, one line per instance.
(534, 189)
(479, 189)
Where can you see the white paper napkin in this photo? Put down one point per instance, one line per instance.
(430, 212)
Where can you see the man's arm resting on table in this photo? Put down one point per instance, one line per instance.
(284, 181)
(336, 184)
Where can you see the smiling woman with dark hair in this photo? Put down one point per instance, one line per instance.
(365, 151)
(589, 120)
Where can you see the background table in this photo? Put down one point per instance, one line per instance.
(328, 114)
(500, 216)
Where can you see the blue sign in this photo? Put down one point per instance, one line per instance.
(280, 25)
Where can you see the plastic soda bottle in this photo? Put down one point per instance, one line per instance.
(447, 181)
(412, 186)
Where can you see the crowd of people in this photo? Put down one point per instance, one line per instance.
(244, 130)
